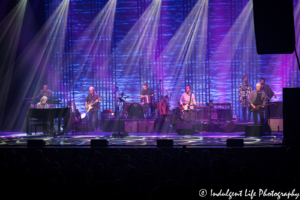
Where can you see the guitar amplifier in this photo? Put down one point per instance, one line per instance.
(276, 109)
(201, 113)
(108, 115)
(276, 124)
(131, 127)
(146, 126)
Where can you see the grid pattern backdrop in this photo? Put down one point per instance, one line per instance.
(214, 68)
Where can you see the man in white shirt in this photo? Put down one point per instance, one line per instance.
(43, 103)
(187, 101)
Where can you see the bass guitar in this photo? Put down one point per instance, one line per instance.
(90, 105)
(257, 107)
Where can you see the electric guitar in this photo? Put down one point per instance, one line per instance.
(186, 106)
(90, 105)
(257, 107)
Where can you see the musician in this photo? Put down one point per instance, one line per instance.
(93, 97)
(187, 98)
(244, 91)
(45, 92)
(269, 93)
(143, 94)
(257, 100)
(43, 103)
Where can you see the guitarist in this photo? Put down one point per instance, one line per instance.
(188, 100)
(257, 100)
(93, 97)
(269, 93)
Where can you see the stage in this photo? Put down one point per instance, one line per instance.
(140, 140)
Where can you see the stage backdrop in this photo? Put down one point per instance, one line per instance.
(213, 47)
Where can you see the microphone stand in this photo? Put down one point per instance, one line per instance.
(158, 95)
(117, 113)
(268, 112)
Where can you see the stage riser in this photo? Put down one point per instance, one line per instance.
(112, 125)
(142, 126)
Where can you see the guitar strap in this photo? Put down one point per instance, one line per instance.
(93, 98)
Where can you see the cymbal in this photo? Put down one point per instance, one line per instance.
(130, 99)
(123, 97)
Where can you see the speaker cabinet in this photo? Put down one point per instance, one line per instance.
(291, 117)
(276, 124)
(276, 109)
(131, 127)
(254, 130)
(99, 143)
(164, 143)
(227, 127)
(36, 143)
(235, 142)
(146, 126)
(274, 26)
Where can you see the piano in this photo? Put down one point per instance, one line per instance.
(49, 114)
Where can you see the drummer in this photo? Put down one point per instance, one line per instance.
(147, 95)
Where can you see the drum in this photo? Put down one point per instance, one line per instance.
(135, 110)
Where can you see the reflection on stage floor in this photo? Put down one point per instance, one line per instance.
(207, 139)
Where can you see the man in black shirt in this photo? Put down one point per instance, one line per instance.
(257, 100)
(269, 93)
(45, 93)
(147, 93)
(93, 97)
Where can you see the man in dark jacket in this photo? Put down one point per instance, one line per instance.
(257, 100)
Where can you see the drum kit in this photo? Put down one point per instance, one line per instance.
(130, 109)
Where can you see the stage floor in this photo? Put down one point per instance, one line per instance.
(202, 139)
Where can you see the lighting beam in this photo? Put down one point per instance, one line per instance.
(190, 39)
(225, 53)
(36, 56)
(136, 49)
(96, 38)
(9, 39)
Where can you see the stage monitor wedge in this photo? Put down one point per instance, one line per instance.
(274, 26)
(291, 117)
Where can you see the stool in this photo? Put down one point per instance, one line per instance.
(254, 130)
(36, 125)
